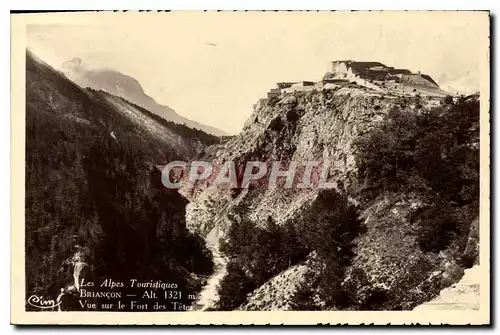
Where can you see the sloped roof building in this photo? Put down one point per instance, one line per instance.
(377, 71)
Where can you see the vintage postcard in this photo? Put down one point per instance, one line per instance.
(249, 168)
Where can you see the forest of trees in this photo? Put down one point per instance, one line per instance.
(87, 191)
(433, 154)
(181, 129)
(258, 253)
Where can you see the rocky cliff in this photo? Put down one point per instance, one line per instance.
(374, 241)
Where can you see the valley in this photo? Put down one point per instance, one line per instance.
(398, 226)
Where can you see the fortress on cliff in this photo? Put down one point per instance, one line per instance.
(371, 75)
(350, 69)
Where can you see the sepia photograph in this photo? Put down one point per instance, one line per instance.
(239, 167)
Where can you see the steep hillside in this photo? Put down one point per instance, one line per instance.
(122, 85)
(186, 141)
(395, 229)
(95, 206)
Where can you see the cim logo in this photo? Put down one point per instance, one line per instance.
(42, 303)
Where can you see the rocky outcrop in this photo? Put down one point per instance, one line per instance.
(464, 295)
(328, 123)
(278, 293)
(388, 269)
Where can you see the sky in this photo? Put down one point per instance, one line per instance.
(213, 67)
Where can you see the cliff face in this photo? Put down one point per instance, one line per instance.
(382, 260)
(305, 126)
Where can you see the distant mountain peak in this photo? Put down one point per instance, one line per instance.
(127, 87)
(75, 61)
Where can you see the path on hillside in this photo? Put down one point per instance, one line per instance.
(208, 295)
